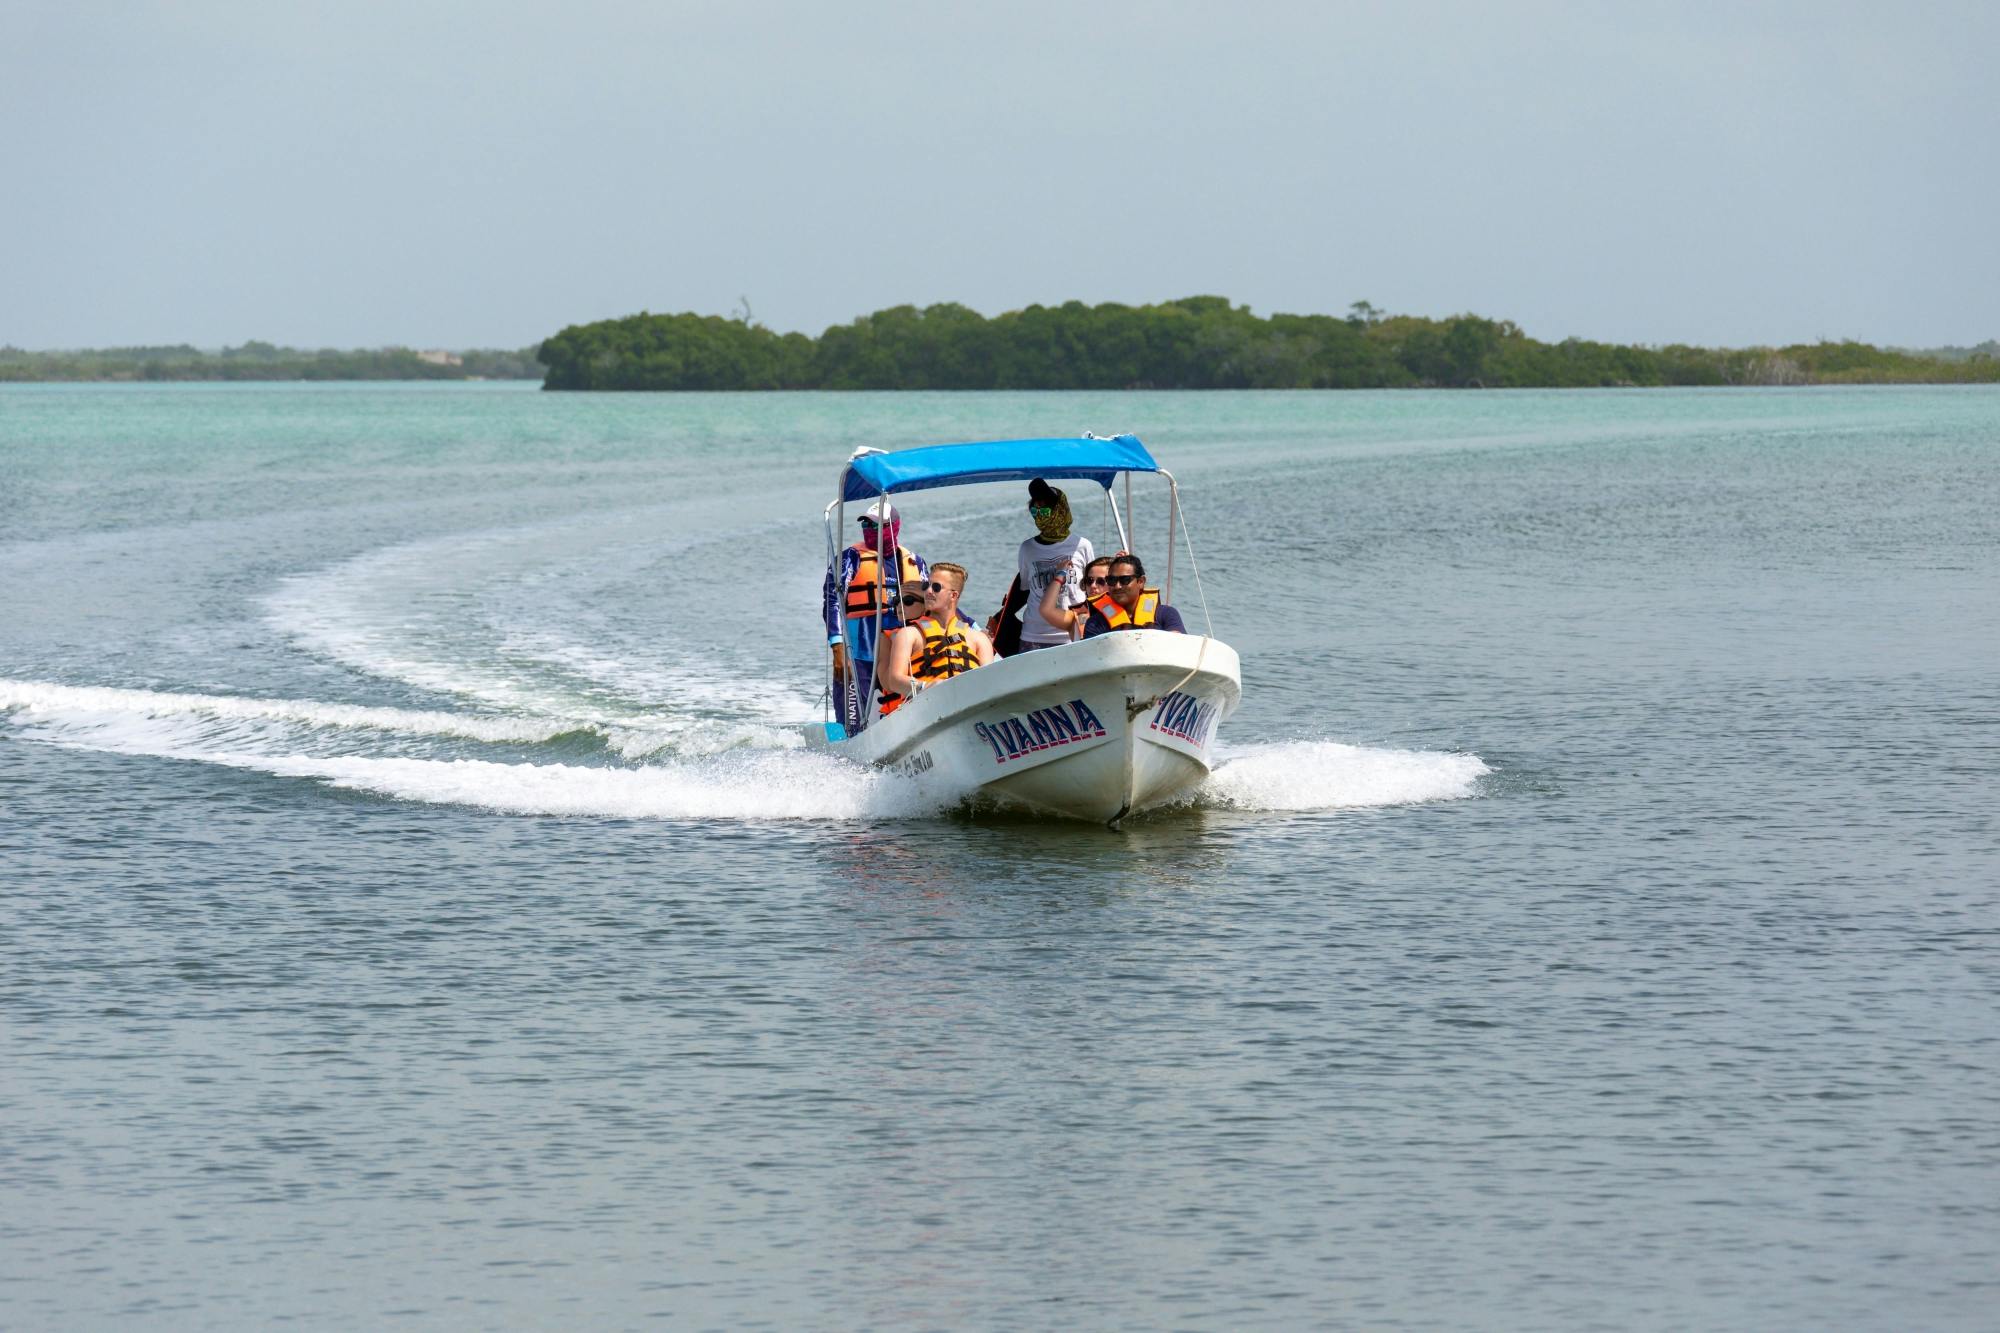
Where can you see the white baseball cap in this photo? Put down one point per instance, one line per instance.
(880, 512)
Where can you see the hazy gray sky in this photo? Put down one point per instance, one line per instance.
(352, 173)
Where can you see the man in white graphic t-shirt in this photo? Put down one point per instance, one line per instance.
(1052, 550)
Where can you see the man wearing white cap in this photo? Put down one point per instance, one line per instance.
(872, 579)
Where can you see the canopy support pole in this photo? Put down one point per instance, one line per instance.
(888, 560)
(1193, 563)
(835, 512)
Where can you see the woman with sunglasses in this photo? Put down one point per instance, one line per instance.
(1129, 604)
(1072, 618)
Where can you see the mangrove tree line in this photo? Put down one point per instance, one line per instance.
(1199, 342)
(264, 361)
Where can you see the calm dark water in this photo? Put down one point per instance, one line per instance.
(414, 908)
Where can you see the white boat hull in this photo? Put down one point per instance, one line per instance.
(1094, 730)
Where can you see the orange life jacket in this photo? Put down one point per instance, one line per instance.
(864, 590)
(1142, 615)
(943, 654)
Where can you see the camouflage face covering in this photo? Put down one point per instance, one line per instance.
(1051, 521)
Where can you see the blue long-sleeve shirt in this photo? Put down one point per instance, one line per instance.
(863, 632)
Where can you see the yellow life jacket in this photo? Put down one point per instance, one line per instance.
(864, 590)
(943, 654)
(1142, 615)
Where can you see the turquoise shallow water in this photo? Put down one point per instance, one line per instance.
(413, 908)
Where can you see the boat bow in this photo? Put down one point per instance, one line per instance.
(1095, 730)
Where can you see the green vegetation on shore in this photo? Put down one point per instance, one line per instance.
(263, 361)
(1200, 342)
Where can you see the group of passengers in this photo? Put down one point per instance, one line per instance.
(903, 629)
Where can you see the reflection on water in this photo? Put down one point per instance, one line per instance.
(999, 855)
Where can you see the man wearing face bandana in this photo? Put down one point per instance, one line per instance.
(876, 582)
(1051, 551)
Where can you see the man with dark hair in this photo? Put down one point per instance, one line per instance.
(1127, 603)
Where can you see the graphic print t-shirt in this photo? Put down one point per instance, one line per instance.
(1039, 565)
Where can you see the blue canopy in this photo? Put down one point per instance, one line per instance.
(997, 460)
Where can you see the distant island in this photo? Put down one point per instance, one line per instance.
(1198, 342)
(263, 361)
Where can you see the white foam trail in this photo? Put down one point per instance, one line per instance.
(717, 690)
(265, 736)
(744, 784)
(43, 702)
(142, 721)
(328, 612)
(1326, 775)
(591, 664)
(761, 786)
(414, 613)
(692, 737)
(737, 772)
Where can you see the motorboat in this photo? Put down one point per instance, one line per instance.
(1098, 729)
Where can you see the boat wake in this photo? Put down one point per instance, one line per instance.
(580, 766)
(1326, 775)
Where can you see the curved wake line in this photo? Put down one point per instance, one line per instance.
(742, 781)
(433, 613)
(179, 725)
(746, 783)
(739, 785)
(798, 787)
(324, 611)
(57, 703)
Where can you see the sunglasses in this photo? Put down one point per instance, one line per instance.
(913, 599)
(1092, 580)
(1121, 580)
(940, 587)
(1041, 511)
